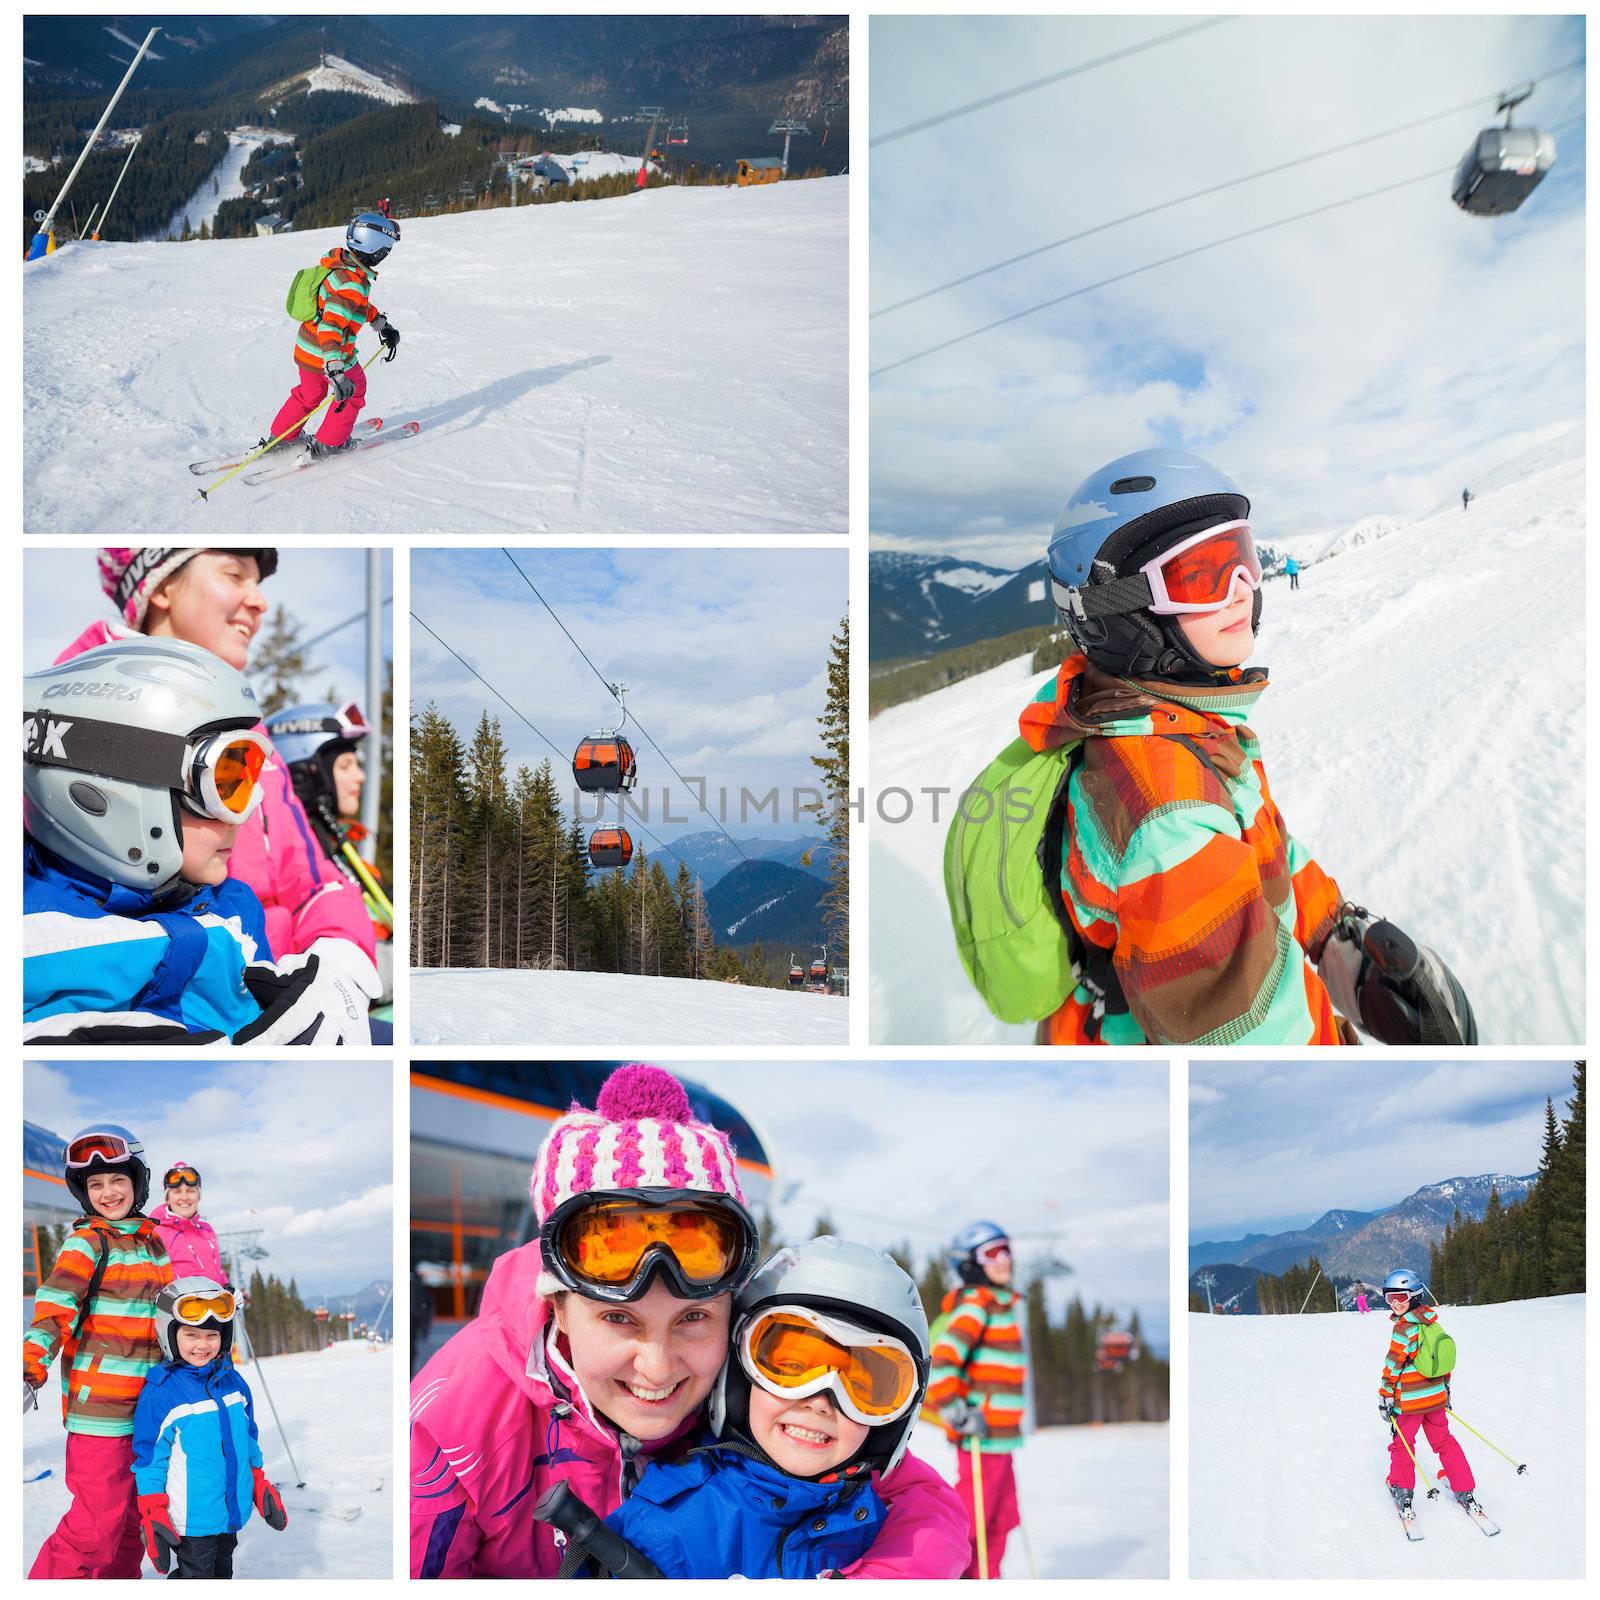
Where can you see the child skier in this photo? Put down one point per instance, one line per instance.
(95, 1310)
(1174, 906)
(140, 761)
(1411, 1401)
(196, 1458)
(819, 1394)
(980, 1374)
(325, 345)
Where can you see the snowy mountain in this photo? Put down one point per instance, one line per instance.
(334, 75)
(1288, 1455)
(767, 901)
(1424, 739)
(919, 604)
(459, 1005)
(668, 362)
(712, 857)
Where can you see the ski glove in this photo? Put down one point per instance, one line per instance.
(86, 1027)
(1393, 989)
(343, 388)
(319, 997)
(30, 1397)
(388, 333)
(160, 1537)
(964, 1418)
(269, 1503)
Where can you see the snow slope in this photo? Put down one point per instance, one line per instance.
(336, 75)
(337, 1408)
(1287, 1408)
(202, 206)
(1093, 1500)
(1424, 737)
(475, 1005)
(669, 362)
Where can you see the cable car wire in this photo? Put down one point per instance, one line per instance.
(1181, 255)
(1042, 83)
(611, 690)
(1200, 194)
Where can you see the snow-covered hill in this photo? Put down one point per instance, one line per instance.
(669, 362)
(1424, 736)
(1093, 1500)
(467, 1005)
(1288, 1455)
(335, 75)
(225, 182)
(337, 1408)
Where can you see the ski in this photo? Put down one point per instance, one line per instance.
(1408, 1517)
(204, 469)
(1485, 1526)
(305, 459)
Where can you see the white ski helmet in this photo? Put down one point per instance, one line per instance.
(853, 1282)
(168, 1322)
(116, 739)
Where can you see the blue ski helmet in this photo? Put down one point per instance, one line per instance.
(1119, 517)
(962, 1255)
(1403, 1281)
(310, 738)
(371, 236)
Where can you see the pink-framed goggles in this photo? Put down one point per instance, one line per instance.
(1203, 572)
(991, 1251)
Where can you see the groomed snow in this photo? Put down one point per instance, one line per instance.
(668, 362)
(1423, 735)
(337, 1407)
(203, 205)
(466, 1005)
(1288, 1456)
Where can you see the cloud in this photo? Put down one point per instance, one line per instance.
(375, 1207)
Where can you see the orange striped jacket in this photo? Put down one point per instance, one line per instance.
(1400, 1383)
(328, 340)
(101, 1374)
(978, 1357)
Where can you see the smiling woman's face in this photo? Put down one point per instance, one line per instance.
(213, 600)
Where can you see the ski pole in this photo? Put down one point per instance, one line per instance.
(1394, 1428)
(369, 881)
(1027, 1544)
(979, 1522)
(256, 455)
(261, 1378)
(1521, 1468)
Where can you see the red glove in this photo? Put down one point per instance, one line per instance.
(160, 1537)
(269, 1503)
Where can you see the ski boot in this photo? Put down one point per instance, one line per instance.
(1466, 1502)
(1402, 1499)
(317, 449)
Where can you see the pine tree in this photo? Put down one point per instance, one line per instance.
(281, 662)
(834, 766)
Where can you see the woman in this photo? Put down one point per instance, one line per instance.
(581, 1368)
(191, 1241)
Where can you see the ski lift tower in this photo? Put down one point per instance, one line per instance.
(650, 115)
(788, 127)
(1208, 1281)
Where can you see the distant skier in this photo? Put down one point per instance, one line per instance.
(337, 296)
(1361, 1302)
(1467, 497)
(1292, 567)
(1414, 1392)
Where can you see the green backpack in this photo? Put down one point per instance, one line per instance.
(1436, 1354)
(306, 285)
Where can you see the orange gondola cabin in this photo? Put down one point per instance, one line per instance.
(610, 847)
(604, 764)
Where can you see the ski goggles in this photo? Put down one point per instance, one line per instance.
(193, 1309)
(1203, 572)
(794, 1352)
(222, 775)
(1398, 1299)
(996, 1250)
(181, 1177)
(92, 1147)
(610, 1246)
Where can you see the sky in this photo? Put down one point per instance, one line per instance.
(724, 653)
(304, 1151)
(1366, 362)
(1071, 1158)
(318, 585)
(1273, 1145)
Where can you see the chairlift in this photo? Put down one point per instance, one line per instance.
(1503, 165)
(1115, 1349)
(819, 968)
(321, 1313)
(678, 133)
(610, 847)
(797, 973)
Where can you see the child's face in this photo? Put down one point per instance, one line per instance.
(805, 1437)
(649, 1364)
(213, 600)
(348, 780)
(998, 1269)
(206, 846)
(1223, 638)
(197, 1346)
(111, 1194)
(182, 1200)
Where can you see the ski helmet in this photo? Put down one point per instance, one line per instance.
(1125, 514)
(370, 237)
(858, 1285)
(130, 576)
(1403, 1281)
(104, 1147)
(310, 738)
(962, 1255)
(116, 739)
(193, 1288)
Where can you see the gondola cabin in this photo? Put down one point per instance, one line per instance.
(1501, 168)
(321, 1313)
(1115, 1350)
(819, 972)
(604, 764)
(610, 847)
(797, 977)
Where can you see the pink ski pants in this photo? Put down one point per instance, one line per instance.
(99, 1536)
(1000, 1513)
(307, 395)
(1452, 1458)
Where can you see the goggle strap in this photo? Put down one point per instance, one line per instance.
(1117, 598)
(104, 749)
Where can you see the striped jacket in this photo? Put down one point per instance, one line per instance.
(101, 1376)
(978, 1357)
(328, 340)
(1197, 907)
(1401, 1384)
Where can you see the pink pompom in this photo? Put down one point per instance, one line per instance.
(637, 1091)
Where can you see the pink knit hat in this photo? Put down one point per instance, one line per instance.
(641, 1135)
(130, 577)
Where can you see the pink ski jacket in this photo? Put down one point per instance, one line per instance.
(497, 1417)
(305, 897)
(191, 1243)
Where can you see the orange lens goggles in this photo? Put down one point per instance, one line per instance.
(197, 1308)
(799, 1353)
(237, 771)
(606, 1242)
(187, 1177)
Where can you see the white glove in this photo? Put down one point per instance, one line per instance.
(319, 997)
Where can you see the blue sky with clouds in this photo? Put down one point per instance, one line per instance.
(320, 585)
(724, 652)
(1072, 1155)
(302, 1150)
(1272, 1145)
(1369, 361)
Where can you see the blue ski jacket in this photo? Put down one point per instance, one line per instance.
(194, 1440)
(719, 1514)
(95, 953)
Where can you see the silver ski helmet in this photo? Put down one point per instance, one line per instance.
(113, 740)
(168, 1321)
(1403, 1281)
(853, 1282)
(1124, 514)
(104, 1147)
(370, 237)
(961, 1257)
